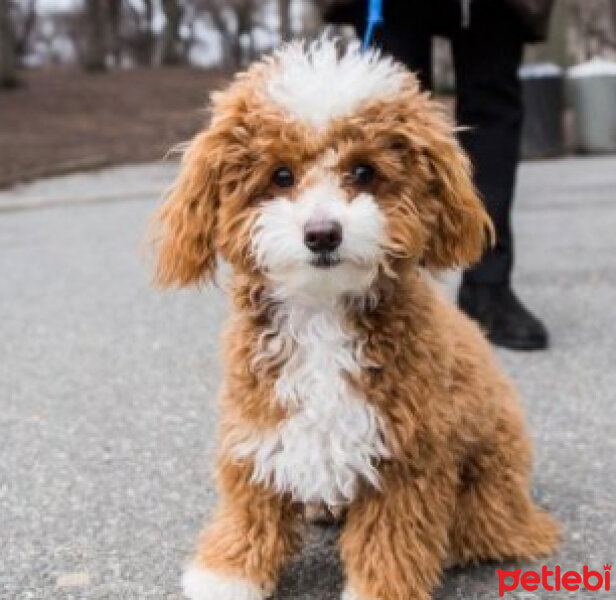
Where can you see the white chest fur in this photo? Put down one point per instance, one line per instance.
(333, 437)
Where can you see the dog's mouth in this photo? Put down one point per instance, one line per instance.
(325, 260)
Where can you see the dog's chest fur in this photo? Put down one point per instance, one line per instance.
(332, 438)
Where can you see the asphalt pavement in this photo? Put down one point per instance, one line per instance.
(108, 390)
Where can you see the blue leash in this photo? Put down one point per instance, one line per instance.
(375, 19)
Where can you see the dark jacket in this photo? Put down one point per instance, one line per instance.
(533, 16)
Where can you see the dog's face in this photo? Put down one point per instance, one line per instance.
(319, 171)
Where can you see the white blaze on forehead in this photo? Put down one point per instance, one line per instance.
(316, 84)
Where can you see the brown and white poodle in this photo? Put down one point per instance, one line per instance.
(332, 185)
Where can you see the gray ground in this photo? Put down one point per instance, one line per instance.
(107, 389)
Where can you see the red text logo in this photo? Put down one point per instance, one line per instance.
(555, 580)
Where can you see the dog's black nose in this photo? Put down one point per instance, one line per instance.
(322, 236)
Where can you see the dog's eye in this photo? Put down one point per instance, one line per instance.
(362, 174)
(283, 177)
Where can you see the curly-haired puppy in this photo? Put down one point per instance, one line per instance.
(330, 184)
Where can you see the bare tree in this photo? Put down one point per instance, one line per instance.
(139, 34)
(236, 21)
(8, 59)
(172, 47)
(284, 17)
(95, 54)
(311, 16)
(115, 31)
(245, 16)
(593, 28)
(25, 26)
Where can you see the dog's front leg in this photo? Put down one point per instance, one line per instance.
(395, 540)
(241, 552)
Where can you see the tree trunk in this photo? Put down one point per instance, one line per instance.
(143, 42)
(149, 39)
(172, 54)
(231, 49)
(115, 19)
(8, 60)
(22, 43)
(244, 15)
(284, 16)
(95, 44)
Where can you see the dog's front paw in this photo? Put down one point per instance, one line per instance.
(202, 584)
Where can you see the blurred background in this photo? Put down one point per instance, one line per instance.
(76, 73)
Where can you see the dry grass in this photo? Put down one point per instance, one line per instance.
(62, 120)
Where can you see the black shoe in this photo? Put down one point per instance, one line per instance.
(504, 318)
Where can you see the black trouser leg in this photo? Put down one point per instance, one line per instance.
(406, 34)
(489, 101)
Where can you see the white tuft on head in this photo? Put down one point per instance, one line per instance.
(316, 83)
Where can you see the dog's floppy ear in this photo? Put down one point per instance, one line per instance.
(456, 225)
(460, 229)
(186, 223)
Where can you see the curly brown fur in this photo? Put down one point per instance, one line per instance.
(453, 481)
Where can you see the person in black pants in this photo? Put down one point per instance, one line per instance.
(487, 38)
